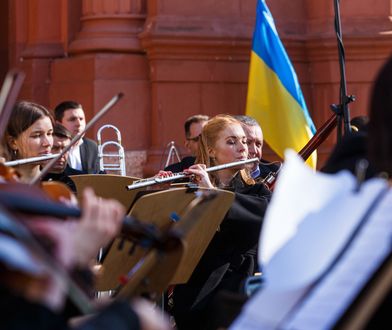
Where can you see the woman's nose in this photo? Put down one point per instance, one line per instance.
(242, 147)
(47, 140)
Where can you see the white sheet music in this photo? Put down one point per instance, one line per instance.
(322, 225)
(327, 303)
(299, 191)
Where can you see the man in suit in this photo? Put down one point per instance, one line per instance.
(193, 126)
(84, 155)
(255, 140)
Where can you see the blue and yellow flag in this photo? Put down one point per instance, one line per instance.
(274, 96)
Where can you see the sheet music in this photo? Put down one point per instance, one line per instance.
(328, 302)
(296, 262)
(299, 191)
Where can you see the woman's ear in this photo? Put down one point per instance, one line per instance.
(11, 141)
(211, 152)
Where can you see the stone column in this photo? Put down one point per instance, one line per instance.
(106, 58)
(110, 25)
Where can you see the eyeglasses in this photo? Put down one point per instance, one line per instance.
(194, 139)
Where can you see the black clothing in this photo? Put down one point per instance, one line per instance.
(20, 314)
(185, 163)
(89, 156)
(228, 260)
(351, 148)
(62, 177)
(267, 168)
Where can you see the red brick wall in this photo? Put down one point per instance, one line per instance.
(175, 58)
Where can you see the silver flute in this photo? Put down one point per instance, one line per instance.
(157, 180)
(30, 160)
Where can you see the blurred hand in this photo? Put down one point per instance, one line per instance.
(150, 317)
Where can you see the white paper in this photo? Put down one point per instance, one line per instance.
(299, 191)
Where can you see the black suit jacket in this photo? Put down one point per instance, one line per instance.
(185, 163)
(89, 156)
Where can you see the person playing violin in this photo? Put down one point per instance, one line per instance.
(231, 255)
(32, 297)
(29, 133)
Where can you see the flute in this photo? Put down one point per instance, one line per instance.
(30, 160)
(157, 180)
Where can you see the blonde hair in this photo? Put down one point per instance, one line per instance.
(208, 138)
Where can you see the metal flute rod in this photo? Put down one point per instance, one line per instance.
(30, 160)
(157, 180)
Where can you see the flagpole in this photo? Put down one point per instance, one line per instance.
(342, 109)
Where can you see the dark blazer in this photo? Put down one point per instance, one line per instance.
(62, 177)
(185, 163)
(266, 169)
(347, 153)
(89, 156)
(229, 259)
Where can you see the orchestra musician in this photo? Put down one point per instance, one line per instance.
(255, 141)
(231, 255)
(83, 156)
(29, 133)
(192, 126)
(32, 297)
(61, 139)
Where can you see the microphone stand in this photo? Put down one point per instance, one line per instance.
(342, 111)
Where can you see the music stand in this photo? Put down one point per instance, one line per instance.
(198, 232)
(107, 186)
(161, 209)
(203, 215)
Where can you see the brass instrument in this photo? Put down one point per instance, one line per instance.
(77, 137)
(30, 160)
(157, 180)
(120, 155)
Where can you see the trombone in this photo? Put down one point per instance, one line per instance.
(157, 180)
(120, 155)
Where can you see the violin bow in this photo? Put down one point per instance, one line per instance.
(9, 92)
(77, 137)
(12, 226)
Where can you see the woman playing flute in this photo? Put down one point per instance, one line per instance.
(231, 255)
(29, 134)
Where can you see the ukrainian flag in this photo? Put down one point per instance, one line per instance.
(274, 96)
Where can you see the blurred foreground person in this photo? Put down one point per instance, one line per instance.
(32, 295)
